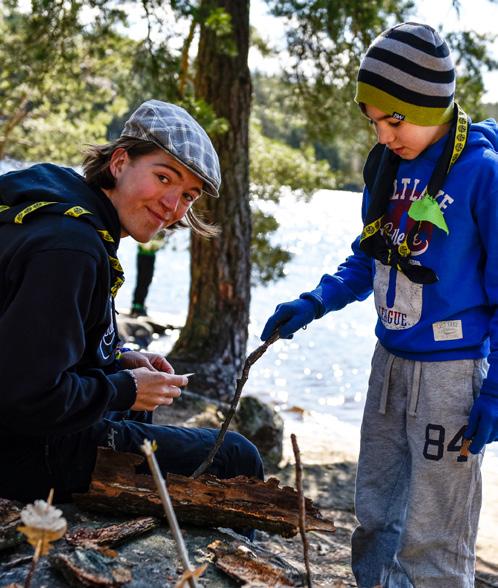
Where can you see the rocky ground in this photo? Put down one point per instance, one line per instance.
(328, 458)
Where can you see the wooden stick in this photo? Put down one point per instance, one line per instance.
(464, 450)
(168, 509)
(302, 511)
(251, 359)
(36, 555)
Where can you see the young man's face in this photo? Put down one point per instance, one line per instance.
(403, 138)
(152, 192)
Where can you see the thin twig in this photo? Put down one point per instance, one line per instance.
(168, 508)
(27, 582)
(36, 555)
(302, 509)
(250, 360)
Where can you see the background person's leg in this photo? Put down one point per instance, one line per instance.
(145, 273)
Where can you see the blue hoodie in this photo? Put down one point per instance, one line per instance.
(456, 317)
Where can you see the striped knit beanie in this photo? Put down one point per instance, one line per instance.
(408, 72)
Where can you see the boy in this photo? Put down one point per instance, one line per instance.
(429, 253)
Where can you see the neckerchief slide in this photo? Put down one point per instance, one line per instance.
(17, 214)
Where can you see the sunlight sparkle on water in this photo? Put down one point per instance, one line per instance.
(332, 400)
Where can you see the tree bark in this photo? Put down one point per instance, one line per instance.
(215, 335)
(206, 501)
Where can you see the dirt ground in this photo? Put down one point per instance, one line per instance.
(329, 463)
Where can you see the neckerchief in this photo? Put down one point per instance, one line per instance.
(374, 241)
(16, 214)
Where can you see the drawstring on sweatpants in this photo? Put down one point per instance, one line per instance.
(415, 389)
(414, 392)
(385, 386)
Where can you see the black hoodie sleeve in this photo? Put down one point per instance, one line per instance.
(42, 331)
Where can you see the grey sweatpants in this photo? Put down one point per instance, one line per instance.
(417, 503)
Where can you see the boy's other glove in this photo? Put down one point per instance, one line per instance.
(288, 318)
(483, 422)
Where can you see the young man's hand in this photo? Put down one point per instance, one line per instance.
(152, 361)
(483, 422)
(155, 388)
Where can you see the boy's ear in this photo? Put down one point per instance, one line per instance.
(119, 158)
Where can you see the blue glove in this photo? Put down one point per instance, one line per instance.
(483, 421)
(288, 318)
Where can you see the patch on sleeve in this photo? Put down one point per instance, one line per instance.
(447, 330)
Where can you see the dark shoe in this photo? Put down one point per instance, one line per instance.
(138, 310)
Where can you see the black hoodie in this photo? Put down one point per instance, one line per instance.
(57, 326)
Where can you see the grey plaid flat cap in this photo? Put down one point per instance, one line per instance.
(173, 129)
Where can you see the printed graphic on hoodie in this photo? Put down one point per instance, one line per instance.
(108, 341)
(398, 300)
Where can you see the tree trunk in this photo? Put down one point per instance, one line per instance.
(213, 341)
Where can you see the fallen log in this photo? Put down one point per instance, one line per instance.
(205, 501)
(251, 566)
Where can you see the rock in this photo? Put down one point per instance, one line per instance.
(262, 425)
(211, 417)
(135, 331)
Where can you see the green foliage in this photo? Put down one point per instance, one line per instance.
(471, 57)
(268, 261)
(275, 165)
(55, 87)
(276, 108)
(64, 85)
(326, 40)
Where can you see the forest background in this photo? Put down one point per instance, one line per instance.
(73, 70)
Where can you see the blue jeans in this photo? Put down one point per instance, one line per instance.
(66, 463)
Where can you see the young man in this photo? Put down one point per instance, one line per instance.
(429, 253)
(66, 386)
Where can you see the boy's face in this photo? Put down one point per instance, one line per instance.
(152, 192)
(403, 138)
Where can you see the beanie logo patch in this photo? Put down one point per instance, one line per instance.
(398, 116)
